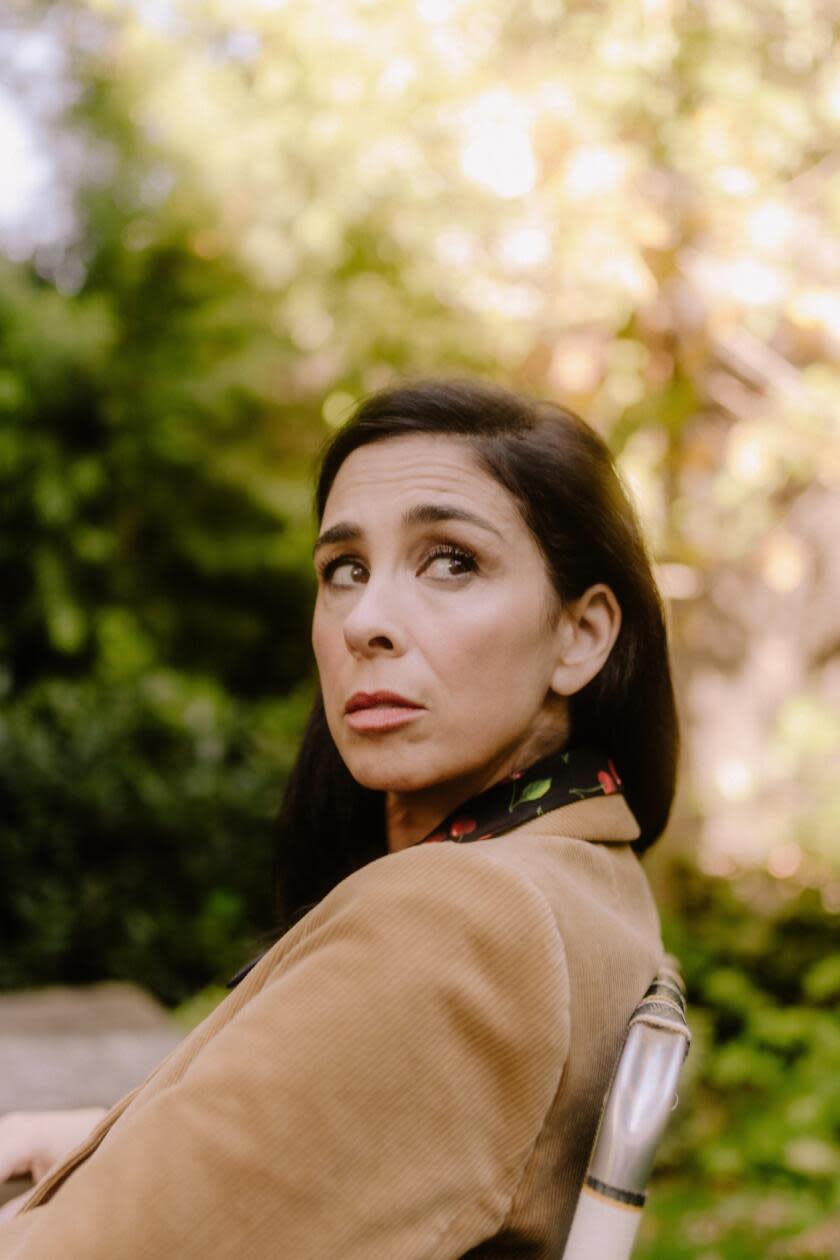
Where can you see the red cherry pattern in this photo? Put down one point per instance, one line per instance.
(462, 827)
(609, 779)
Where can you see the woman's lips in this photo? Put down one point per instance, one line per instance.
(379, 711)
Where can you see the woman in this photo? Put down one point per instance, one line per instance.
(415, 1068)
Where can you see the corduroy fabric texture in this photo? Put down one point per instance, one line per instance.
(413, 1072)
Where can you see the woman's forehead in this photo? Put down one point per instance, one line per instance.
(395, 472)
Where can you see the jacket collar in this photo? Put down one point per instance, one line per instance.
(604, 818)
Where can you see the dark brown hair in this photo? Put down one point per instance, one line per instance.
(562, 476)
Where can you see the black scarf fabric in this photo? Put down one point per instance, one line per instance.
(556, 780)
(548, 784)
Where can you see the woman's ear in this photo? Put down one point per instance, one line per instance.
(586, 632)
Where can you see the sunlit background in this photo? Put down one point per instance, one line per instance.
(222, 224)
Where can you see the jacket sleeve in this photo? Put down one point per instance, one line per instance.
(377, 1099)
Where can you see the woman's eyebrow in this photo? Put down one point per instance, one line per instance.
(431, 513)
(420, 514)
(344, 531)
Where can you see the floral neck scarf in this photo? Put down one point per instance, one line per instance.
(556, 780)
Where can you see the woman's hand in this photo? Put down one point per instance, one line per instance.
(11, 1207)
(31, 1142)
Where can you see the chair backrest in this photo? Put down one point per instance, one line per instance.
(636, 1108)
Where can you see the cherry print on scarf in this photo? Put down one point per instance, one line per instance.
(548, 784)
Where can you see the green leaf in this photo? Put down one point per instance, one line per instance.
(535, 790)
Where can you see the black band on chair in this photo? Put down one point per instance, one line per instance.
(612, 1192)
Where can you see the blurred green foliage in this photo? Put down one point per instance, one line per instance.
(751, 1158)
(154, 646)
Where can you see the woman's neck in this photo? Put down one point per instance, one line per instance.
(409, 816)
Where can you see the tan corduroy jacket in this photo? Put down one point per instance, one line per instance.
(413, 1072)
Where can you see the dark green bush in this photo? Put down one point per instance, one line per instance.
(154, 651)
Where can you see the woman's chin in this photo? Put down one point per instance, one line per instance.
(383, 782)
(383, 775)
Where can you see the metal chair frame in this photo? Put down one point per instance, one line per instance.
(636, 1109)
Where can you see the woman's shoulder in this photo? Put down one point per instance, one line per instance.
(434, 927)
(445, 891)
(596, 890)
(428, 898)
(534, 875)
(600, 881)
(580, 894)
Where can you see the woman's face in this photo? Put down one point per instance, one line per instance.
(432, 588)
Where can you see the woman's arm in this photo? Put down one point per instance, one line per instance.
(32, 1141)
(378, 1098)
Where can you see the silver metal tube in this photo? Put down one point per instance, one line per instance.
(643, 1089)
(640, 1102)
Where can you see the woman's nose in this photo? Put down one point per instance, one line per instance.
(374, 623)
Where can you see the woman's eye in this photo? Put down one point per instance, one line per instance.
(450, 563)
(342, 571)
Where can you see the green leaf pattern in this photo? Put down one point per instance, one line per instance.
(533, 791)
